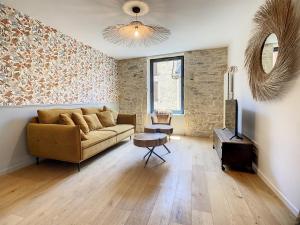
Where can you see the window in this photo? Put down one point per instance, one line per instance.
(166, 84)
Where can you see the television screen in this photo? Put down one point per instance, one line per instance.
(231, 115)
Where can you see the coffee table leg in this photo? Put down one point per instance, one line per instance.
(147, 154)
(167, 148)
(150, 153)
(158, 156)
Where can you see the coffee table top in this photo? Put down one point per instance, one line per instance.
(159, 128)
(149, 139)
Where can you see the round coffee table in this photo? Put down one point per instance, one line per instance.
(150, 141)
(159, 128)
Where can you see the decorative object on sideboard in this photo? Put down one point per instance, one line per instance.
(136, 33)
(230, 81)
(276, 34)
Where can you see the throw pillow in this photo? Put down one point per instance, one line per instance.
(83, 136)
(106, 118)
(114, 113)
(65, 119)
(79, 120)
(93, 121)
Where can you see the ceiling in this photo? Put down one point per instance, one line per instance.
(195, 24)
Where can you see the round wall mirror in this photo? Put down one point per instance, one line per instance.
(269, 53)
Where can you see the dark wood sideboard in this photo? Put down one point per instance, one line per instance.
(236, 152)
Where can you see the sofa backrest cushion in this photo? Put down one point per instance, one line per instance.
(87, 111)
(79, 120)
(93, 121)
(65, 119)
(114, 113)
(51, 116)
(106, 118)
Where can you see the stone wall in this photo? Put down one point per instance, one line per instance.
(40, 65)
(132, 74)
(203, 88)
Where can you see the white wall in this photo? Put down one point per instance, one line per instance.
(273, 126)
(13, 122)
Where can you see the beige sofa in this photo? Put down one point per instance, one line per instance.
(46, 138)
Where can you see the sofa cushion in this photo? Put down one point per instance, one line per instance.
(65, 119)
(114, 113)
(92, 110)
(95, 137)
(106, 118)
(120, 128)
(93, 121)
(51, 116)
(83, 136)
(79, 120)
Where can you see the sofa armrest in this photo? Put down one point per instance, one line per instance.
(54, 141)
(127, 119)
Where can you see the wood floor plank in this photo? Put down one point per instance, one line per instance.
(142, 211)
(10, 220)
(258, 208)
(114, 188)
(276, 207)
(114, 216)
(201, 218)
(238, 207)
(182, 204)
(218, 202)
(162, 209)
(200, 196)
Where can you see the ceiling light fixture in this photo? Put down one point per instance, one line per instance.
(136, 33)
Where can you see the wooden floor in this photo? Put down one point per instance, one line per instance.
(114, 188)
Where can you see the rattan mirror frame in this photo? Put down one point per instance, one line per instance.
(278, 17)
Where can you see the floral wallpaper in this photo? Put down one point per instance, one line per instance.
(40, 65)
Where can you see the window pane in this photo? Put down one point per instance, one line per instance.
(167, 81)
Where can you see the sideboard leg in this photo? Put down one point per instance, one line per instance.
(37, 159)
(223, 168)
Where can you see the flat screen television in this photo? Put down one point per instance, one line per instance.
(231, 117)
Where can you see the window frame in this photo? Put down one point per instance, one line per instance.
(152, 61)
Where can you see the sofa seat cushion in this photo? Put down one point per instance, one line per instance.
(118, 129)
(95, 137)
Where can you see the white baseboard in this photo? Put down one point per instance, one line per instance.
(278, 193)
(17, 166)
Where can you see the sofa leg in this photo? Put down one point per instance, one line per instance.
(78, 167)
(37, 160)
(130, 137)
